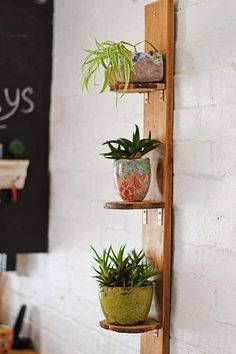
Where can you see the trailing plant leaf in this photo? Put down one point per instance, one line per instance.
(123, 148)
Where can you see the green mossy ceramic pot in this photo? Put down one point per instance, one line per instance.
(126, 306)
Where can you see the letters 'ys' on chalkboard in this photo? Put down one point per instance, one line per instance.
(25, 80)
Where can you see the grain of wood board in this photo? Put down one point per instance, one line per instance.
(145, 204)
(148, 325)
(139, 87)
(156, 240)
(26, 351)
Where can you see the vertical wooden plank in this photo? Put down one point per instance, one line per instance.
(159, 29)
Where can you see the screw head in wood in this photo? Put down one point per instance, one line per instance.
(154, 13)
(156, 333)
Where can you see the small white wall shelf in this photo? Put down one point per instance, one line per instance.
(13, 173)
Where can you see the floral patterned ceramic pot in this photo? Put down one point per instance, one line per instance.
(6, 338)
(132, 178)
(148, 68)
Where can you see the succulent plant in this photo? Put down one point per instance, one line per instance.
(130, 149)
(16, 147)
(117, 269)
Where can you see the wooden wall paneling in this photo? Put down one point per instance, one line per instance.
(158, 108)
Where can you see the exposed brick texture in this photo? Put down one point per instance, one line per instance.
(203, 317)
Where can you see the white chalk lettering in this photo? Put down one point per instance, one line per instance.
(14, 100)
(29, 91)
(12, 103)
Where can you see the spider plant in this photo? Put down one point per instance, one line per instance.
(114, 58)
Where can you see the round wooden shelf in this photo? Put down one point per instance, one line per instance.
(145, 204)
(22, 351)
(139, 87)
(147, 326)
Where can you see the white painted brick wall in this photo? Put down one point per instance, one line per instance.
(61, 296)
(204, 282)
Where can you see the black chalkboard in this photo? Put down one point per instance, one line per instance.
(25, 80)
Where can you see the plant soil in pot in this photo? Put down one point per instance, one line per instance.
(132, 173)
(125, 289)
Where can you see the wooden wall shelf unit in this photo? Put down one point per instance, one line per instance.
(158, 118)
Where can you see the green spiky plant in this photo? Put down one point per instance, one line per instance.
(130, 149)
(117, 269)
(114, 58)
